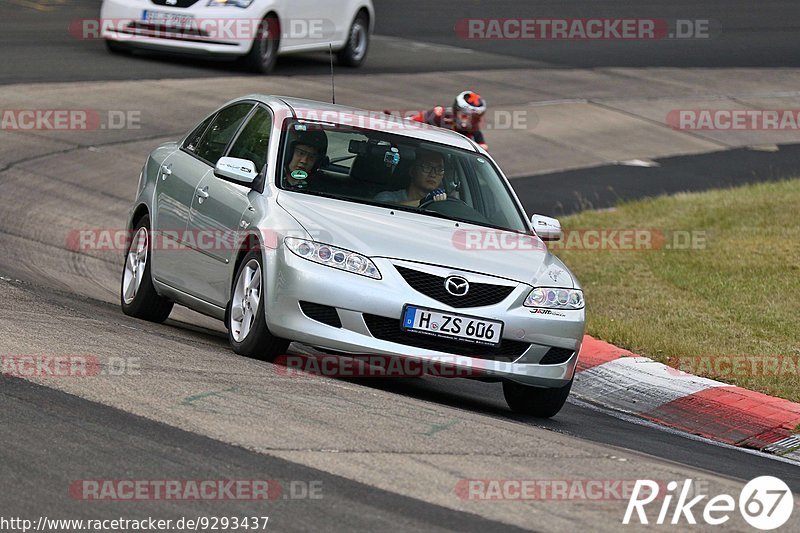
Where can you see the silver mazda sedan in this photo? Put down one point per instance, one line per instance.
(354, 233)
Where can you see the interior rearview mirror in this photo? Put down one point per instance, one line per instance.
(547, 228)
(239, 170)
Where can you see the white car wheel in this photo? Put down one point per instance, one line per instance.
(355, 50)
(264, 52)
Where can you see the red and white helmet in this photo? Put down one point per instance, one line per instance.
(468, 110)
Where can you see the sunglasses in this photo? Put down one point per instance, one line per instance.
(427, 168)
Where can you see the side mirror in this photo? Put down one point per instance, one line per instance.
(547, 228)
(239, 170)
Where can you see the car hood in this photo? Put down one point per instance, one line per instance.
(379, 232)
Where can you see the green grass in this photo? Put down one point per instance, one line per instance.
(739, 295)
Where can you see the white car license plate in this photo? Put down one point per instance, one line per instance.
(451, 325)
(173, 20)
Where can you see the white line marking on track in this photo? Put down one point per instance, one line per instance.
(638, 384)
(398, 42)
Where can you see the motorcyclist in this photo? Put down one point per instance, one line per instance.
(464, 117)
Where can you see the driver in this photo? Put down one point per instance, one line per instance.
(426, 182)
(307, 153)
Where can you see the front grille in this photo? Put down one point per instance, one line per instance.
(161, 30)
(556, 356)
(430, 285)
(321, 313)
(180, 3)
(388, 329)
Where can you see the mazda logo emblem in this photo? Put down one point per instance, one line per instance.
(456, 285)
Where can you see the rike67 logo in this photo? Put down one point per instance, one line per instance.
(765, 503)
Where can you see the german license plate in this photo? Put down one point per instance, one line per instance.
(173, 20)
(447, 325)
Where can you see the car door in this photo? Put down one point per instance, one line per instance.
(308, 22)
(179, 184)
(178, 178)
(222, 210)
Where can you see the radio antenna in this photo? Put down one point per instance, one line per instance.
(333, 87)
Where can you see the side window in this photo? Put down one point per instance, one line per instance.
(219, 133)
(253, 141)
(194, 138)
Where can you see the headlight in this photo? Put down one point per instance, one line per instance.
(234, 3)
(331, 256)
(555, 298)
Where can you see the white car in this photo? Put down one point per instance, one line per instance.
(257, 31)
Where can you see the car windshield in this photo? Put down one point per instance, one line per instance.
(385, 169)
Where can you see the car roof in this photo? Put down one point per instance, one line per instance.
(314, 110)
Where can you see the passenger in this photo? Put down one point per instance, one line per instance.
(307, 153)
(425, 184)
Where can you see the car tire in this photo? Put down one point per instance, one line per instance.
(117, 48)
(245, 317)
(264, 52)
(535, 401)
(138, 296)
(355, 50)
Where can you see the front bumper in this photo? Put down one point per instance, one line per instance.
(291, 280)
(223, 31)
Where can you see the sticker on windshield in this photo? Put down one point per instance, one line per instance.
(391, 158)
(300, 127)
(299, 174)
(481, 160)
